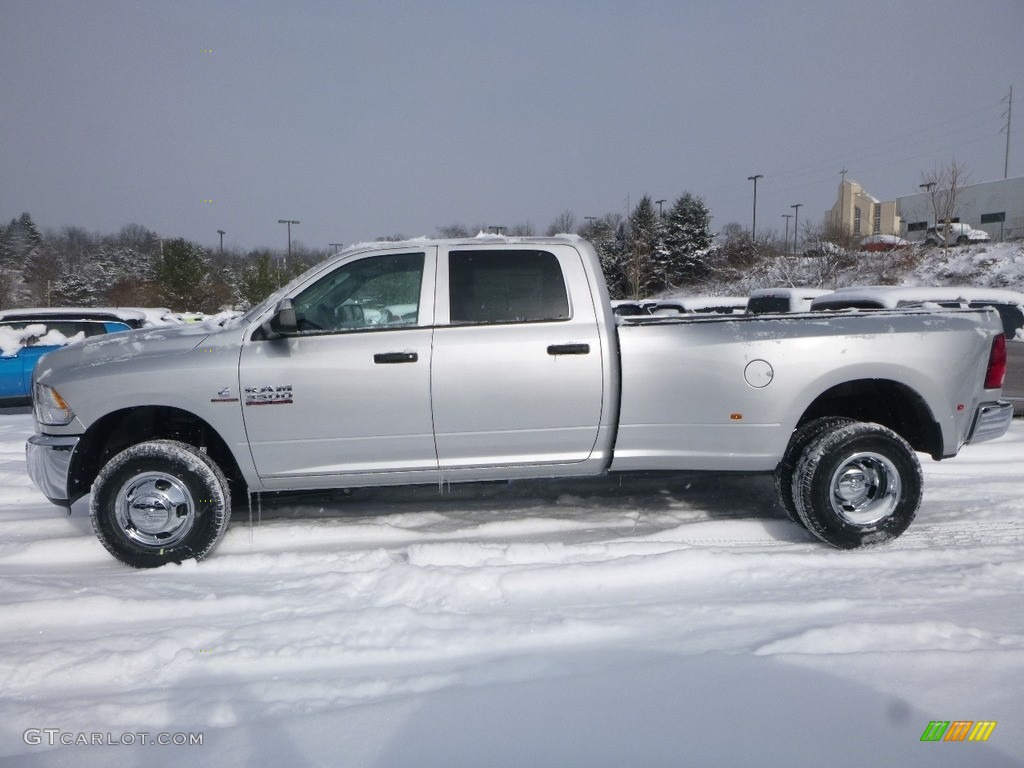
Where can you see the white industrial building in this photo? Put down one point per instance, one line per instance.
(994, 206)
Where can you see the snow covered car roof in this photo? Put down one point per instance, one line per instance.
(893, 296)
(721, 305)
(765, 300)
(1009, 304)
(135, 317)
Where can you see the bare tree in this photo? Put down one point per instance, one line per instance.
(452, 231)
(523, 229)
(564, 223)
(944, 184)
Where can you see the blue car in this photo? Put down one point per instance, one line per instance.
(22, 343)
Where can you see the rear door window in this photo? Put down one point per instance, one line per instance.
(508, 286)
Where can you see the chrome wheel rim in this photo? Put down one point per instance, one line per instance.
(155, 510)
(865, 488)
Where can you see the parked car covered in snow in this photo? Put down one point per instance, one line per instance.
(509, 363)
(955, 234)
(823, 249)
(767, 300)
(23, 343)
(680, 305)
(1009, 304)
(133, 317)
(883, 243)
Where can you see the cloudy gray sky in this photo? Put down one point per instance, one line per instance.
(363, 119)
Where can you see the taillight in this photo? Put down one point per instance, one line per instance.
(996, 363)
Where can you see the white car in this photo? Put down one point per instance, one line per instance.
(955, 234)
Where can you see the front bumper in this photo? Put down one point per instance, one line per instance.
(49, 462)
(991, 420)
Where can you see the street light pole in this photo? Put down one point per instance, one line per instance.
(289, 222)
(753, 223)
(796, 221)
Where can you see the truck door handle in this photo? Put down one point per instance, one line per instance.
(390, 358)
(569, 349)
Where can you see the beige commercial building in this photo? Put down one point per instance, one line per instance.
(859, 214)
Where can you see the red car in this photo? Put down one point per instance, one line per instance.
(883, 243)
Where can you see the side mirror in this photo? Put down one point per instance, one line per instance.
(282, 322)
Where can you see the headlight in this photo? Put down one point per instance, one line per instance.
(49, 406)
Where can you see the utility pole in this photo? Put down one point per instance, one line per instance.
(336, 246)
(289, 222)
(659, 202)
(221, 233)
(796, 222)
(1009, 110)
(787, 217)
(753, 222)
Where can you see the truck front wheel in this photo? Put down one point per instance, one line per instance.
(858, 484)
(160, 502)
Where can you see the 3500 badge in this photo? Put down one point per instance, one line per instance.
(281, 395)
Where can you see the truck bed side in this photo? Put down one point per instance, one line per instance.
(727, 393)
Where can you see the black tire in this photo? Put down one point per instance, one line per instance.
(859, 484)
(786, 470)
(160, 502)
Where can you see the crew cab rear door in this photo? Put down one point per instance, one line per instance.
(349, 396)
(517, 374)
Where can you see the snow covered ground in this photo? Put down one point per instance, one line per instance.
(649, 621)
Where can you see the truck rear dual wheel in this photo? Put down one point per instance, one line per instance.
(786, 471)
(857, 484)
(160, 502)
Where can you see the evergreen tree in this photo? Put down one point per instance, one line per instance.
(609, 238)
(19, 241)
(639, 263)
(6, 267)
(22, 237)
(6, 248)
(259, 280)
(687, 239)
(31, 234)
(183, 272)
(73, 287)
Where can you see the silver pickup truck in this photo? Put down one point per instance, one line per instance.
(500, 358)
